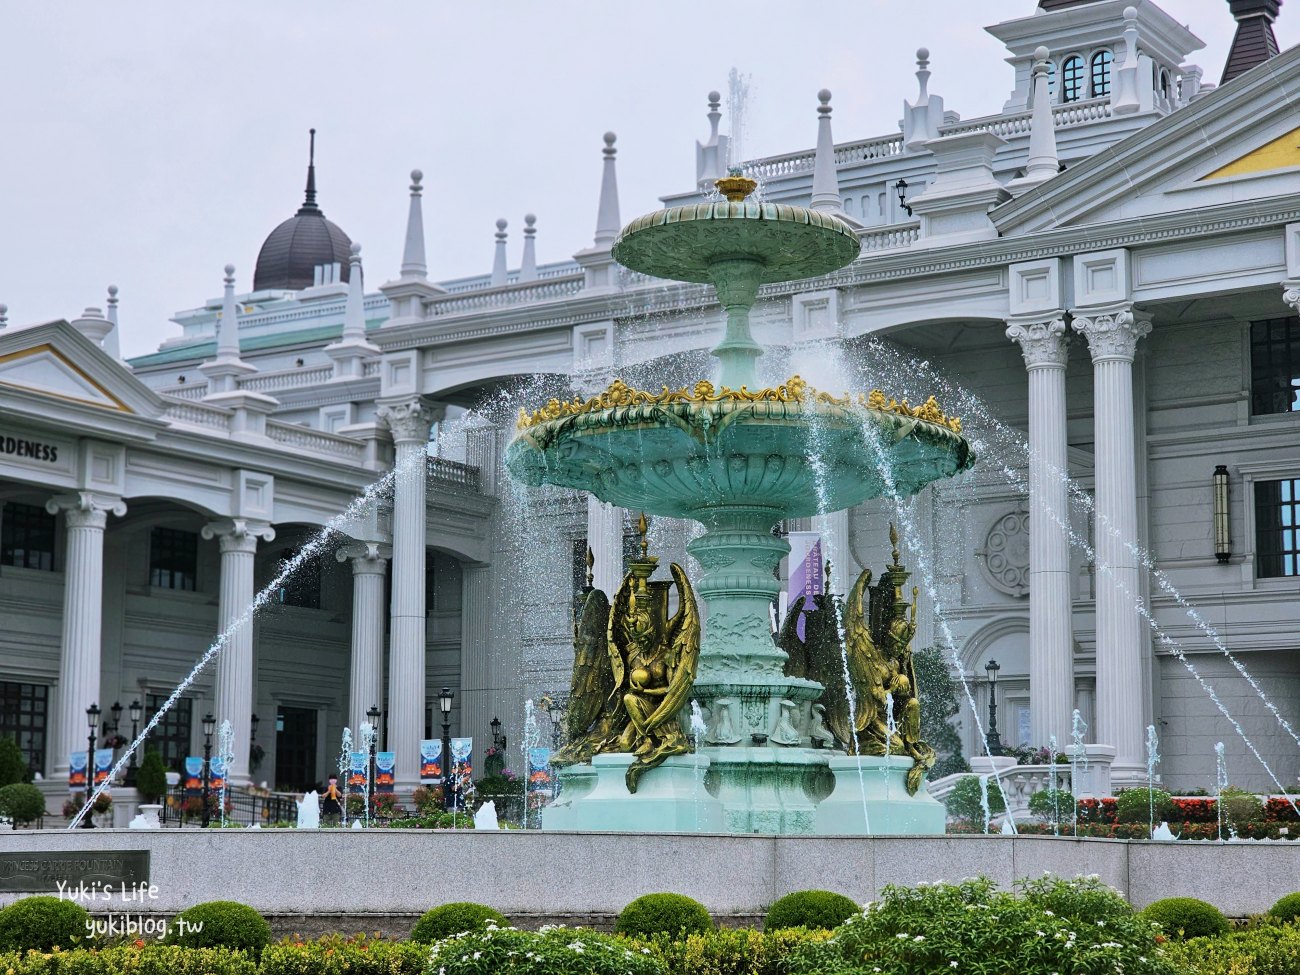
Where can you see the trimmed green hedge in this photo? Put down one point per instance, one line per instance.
(816, 909)
(220, 924)
(43, 923)
(1186, 917)
(730, 951)
(558, 950)
(449, 920)
(1287, 908)
(653, 914)
(21, 802)
(1262, 949)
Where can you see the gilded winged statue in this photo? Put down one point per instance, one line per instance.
(633, 671)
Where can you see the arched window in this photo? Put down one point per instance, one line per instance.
(1051, 79)
(1101, 62)
(1164, 84)
(1072, 79)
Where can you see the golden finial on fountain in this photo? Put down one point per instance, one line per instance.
(642, 527)
(735, 186)
(591, 563)
(893, 541)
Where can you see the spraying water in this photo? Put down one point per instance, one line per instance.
(529, 741)
(368, 733)
(1153, 758)
(1078, 758)
(891, 728)
(308, 551)
(345, 767)
(1220, 783)
(738, 87)
(1053, 789)
(698, 729)
(226, 753)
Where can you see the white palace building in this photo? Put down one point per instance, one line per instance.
(1111, 263)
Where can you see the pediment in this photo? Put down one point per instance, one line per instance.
(56, 361)
(1236, 144)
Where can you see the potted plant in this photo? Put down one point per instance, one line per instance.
(151, 784)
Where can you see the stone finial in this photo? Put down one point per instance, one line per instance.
(608, 223)
(112, 341)
(413, 263)
(228, 327)
(1043, 161)
(499, 272)
(923, 74)
(528, 268)
(354, 317)
(711, 155)
(93, 325)
(825, 185)
(922, 118)
(1124, 96)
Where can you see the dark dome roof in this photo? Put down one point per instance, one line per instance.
(289, 256)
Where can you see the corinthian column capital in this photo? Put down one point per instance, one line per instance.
(86, 509)
(238, 534)
(1042, 343)
(1113, 334)
(411, 420)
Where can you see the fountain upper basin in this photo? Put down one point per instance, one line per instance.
(798, 457)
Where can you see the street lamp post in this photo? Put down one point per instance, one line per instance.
(374, 715)
(993, 741)
(555, 711)
(448, 770)
(498, 739)
(92, 718)
(136, 712)
(209, 725)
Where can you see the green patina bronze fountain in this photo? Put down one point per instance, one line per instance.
(738, 460)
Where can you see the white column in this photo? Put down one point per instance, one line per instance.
(1051, 642)
(605, 539)
(237, 539)
(479, 683)
(85, 516)
(366, 680)
(410, 422)
(1112, 339)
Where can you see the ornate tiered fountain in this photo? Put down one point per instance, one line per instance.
(738, 460)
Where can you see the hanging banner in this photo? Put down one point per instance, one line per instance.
(384, 763)
(462, 768)
(807, 572)
(357, 764)
(77, 772)
(539, 770)
(431, 761)
(217, 775)
(103, 765)
(193, 775)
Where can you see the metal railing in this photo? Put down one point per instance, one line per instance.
(245, 808)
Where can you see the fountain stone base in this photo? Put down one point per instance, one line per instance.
(669, 799)
(870, 796)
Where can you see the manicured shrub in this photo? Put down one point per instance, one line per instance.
(1240, 808)
(818, 909)
(336, 955)
(1089, 930)
(1187, 917)
(965, 802)
(1135, 805)
(13, 763)
(729, 951)
(448, 920)
(1287, 908)
(1053, 806)
(42, 923)
(21, 802)
(1262, 949)
(494, 950)
(220, 924)
(160, 959)
(151, 777)
(663, 914)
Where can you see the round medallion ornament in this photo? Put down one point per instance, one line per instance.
(1005, 554)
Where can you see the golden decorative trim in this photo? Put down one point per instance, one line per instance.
(47, 347)
(793, 390)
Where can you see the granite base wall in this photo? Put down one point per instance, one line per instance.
(393, 875)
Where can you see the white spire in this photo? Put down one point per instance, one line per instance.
(228, 327)
(354, 318)
(1124, 96)
(4, 315)
(1043, 161)
(528, 269)
(922, 118)
(608, 223)
(711, 156)
(826, 183)
(413, 264)
(499, 260)
(112, 341)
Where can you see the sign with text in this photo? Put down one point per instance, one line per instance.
(77, 772)
(431, 761)
(41, 873)
(807, 572)
(357, 765)
(217, 775)
(384, 765)
(193, 777)
(103, 765)
(462, 754)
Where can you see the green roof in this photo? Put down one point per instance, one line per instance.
(207, 349)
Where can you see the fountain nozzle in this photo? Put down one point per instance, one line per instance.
(735, 186)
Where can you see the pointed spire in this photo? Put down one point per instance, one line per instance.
(528, 269)
(1043, 161)
(608, 223)
(922, 118)
(711, 155)
(228, 327)
(309, 206)
(826, 182)
(4, 315)
(413, 265)
(354, 318)
(499, 273)
(112, 341)
(1254, 42)
(1124, 97)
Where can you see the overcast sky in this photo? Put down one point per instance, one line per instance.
(147, 144)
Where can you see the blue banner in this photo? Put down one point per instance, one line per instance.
(384, 763)
(358, 761)
(462, 754)
(103, 764)
(77, 772)
(217, 775)
(539, 769)
(193, 777)
(431, 761)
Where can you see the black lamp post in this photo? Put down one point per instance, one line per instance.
(373, 714)
(901, 187)
(498, 739)
(92, 718)
(993, 741)
(448, 771)
(555, 710)
(117, 714)
(209, 725)
(136, 712)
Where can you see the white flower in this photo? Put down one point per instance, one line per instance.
(952, 964)
(1049, 913)
(919, 938)
(1101, 924)
(902, 935)
(478, 955)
